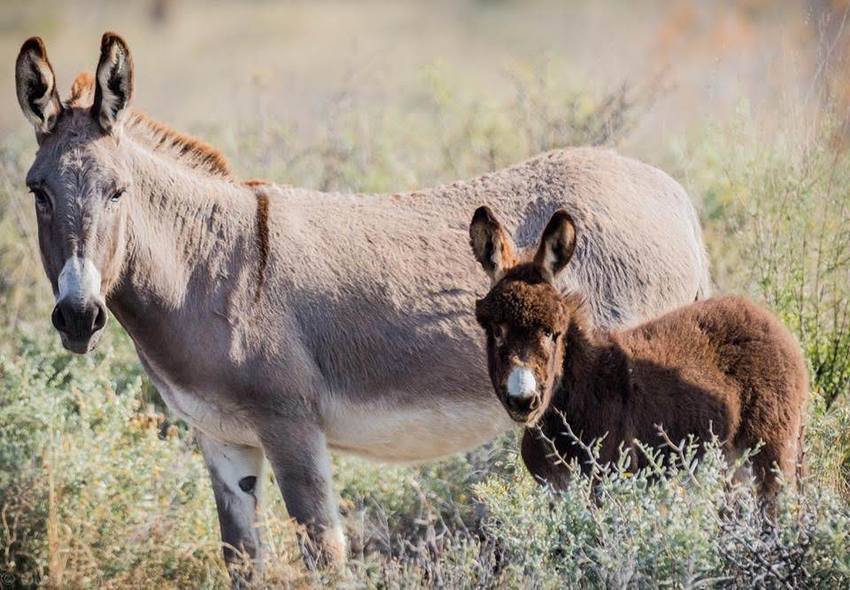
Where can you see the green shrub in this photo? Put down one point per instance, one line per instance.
(777, 213)
(685, 526)
(97, 488)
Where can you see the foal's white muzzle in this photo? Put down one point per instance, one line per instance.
(521, 383)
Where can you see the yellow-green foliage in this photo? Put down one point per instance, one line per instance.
(98, 488)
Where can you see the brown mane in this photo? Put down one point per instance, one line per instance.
(160, 137)
(82, 90)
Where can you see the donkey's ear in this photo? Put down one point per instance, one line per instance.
(493, 247)
(113, 82)
(36, 86)
(557, 244)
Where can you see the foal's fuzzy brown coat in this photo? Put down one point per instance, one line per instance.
(723, 366)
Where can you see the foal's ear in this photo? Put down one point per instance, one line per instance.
(113, 82)
(36, 87)
(557, 244)
(493, 247)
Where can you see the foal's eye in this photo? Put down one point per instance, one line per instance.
(499, 333)
(116, 196)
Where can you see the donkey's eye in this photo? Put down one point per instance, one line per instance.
(42, 201)
(116, 196)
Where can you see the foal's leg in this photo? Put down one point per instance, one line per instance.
(237, 476)
(540, 460)
(771, 463)
(299, 457)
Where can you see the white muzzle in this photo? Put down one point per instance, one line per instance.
(521, 383)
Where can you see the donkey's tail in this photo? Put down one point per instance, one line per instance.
(704, 287)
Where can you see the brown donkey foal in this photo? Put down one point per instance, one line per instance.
(722, 366)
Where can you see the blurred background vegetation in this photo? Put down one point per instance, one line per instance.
(745, 103)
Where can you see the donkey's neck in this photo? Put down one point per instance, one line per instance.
(186, 229)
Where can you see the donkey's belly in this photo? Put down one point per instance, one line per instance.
(208, 418)
(200, 414)
(408, 434)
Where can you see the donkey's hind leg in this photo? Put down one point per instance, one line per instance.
(300, 459)
(237, 475)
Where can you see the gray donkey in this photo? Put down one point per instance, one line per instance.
(283, 322)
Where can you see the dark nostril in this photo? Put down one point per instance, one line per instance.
(100, 317)
(522, 404)
(58, 319)
(79, 321)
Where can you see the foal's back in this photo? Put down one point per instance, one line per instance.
(723, 366)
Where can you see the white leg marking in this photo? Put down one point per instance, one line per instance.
(521, 383)
(233, 463)
(79, 280)
(237, 497)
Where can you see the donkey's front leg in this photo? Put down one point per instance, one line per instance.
(237, 475)
(299, 457)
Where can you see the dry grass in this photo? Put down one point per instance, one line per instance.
(98, 489)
